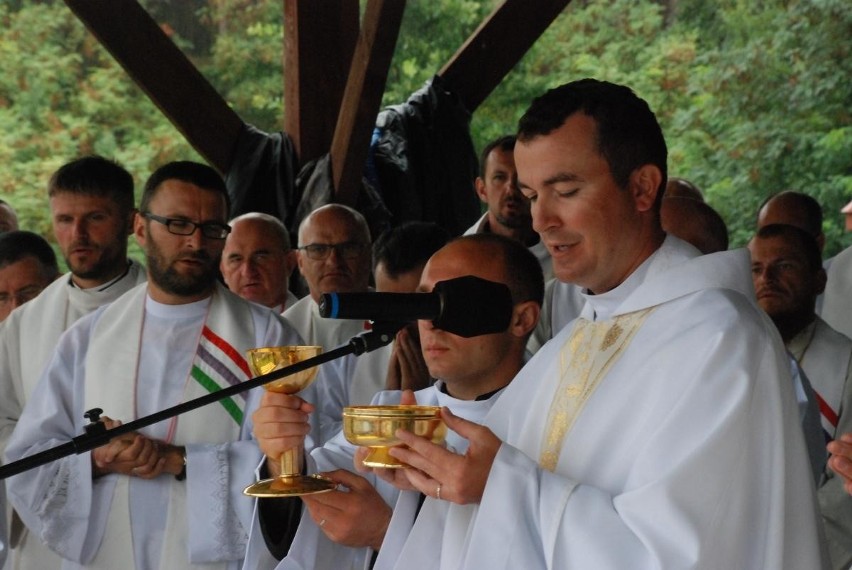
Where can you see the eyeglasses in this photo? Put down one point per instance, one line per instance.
(20, 297)
(179, 227)
(320, 251)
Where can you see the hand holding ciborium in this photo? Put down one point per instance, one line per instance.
(290, 482)
(375, 427)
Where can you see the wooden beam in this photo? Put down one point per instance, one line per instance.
(165, 74)
(319, 39)
(482, 62)
(363, 95)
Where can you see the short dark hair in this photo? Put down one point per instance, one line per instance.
(799, 237)
(505, 143)
(94, 175)
(524, 276)
(408, 245)
(808, 205)
(20, 244)
(195, 173)
(628, 134)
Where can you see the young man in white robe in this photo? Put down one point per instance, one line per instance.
(344, 529)
(168, 496)
(92, 208)
(659, 430)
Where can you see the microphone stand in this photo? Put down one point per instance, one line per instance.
(97, 435)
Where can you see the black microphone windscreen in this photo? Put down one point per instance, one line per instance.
(473, 306)
(466, 306)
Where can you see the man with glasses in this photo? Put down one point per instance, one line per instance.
(334, 256)
(169, 495)
(27, 265)
(92, 209)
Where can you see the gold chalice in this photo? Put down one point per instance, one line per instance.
(375, 427)
(291, 482)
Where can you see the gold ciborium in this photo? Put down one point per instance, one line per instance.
(290, 482)
(375, 427)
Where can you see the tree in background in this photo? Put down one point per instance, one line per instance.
(769, 107)
(754, 98)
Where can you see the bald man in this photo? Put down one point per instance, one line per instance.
(683, 188)
(794, 209)
(8, 217)
(694, 222)
(257, 261)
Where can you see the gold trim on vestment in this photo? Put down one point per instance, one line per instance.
(585, 358)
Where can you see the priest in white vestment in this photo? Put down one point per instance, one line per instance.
(92, 209)
(659, 430)
(344, 529)
(168, 496)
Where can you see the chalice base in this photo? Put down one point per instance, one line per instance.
(290, 486)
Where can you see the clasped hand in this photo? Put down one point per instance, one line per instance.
(135, 455)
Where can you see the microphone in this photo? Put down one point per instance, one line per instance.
(465, 306)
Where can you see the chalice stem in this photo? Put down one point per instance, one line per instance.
(291, 462)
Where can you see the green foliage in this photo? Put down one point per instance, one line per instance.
(430, 34)
(62, 96)
(245, 65)
(770, 110)
(754, 97)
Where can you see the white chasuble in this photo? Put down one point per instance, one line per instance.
(217, 363)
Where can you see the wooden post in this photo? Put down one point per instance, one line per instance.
(319, 39)
(363, 96)
(482, 62)
(169, 79)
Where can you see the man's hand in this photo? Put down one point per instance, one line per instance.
(442, 474)
(395, 477)
(356, 517)
(131, 454)
(841, 459)
(406, 369)
(280, 423)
